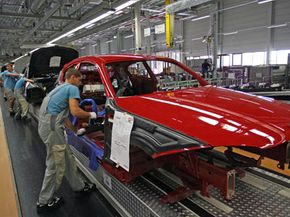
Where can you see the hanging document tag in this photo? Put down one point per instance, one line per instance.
(121, 132)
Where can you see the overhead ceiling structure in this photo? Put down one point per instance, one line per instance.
(27, 24)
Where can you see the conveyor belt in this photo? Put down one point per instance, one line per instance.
(255, 196)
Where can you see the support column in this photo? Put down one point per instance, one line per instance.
(271, 31)
(119, 42)
(215, 35)
(138, 38)
(169, 26)
(148, 38)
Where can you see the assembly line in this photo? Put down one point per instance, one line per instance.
(145, 108)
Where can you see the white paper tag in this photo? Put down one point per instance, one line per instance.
(120, 146)
(54, 61)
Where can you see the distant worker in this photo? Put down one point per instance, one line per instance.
(23, 106)
(10, 78)
(53, 116)
(205, 67)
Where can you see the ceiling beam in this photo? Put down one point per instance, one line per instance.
(17, 28)
(22, 15)
(41, 22)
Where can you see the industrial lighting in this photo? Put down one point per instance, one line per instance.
(125, 5)
(107, 42)
(187, 18)
(119, 12)
(94, 45)
(70, 35)
(196, 39)
(150, 10)
(277, 26)
(200, 18)
(230, 33)
(89, 26)
(129, 36)
(264, 1)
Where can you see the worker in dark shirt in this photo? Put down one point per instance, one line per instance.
(205, 67)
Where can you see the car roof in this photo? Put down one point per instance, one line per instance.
(123, 57)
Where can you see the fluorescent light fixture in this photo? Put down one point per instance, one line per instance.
(277, 26)
(102, 16)
(114, 37)
(196, 39)
(126, 4)
(200, 18)
(89, 26)
(183, 14)
(230, 33)
(19, 58)
(150, 10)
(107, 42)
(179, 42)
(187, 18)
(129, 36)
(94, 45)
(119, 12)
(264, 1)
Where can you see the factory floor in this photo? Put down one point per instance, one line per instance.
(22, 163)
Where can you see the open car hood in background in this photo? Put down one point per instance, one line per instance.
(45, 60)
(216, 116)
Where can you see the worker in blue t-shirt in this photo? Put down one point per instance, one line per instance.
(10, 78)
(23, 106)
(53, 116)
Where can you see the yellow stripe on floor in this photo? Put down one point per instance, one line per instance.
(8, 199)
(266, 162)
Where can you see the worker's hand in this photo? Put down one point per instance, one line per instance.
(81, 132)
(93, 115)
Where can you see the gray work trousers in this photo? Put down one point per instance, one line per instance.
(59, 160)
(11, 99)
(21, 102)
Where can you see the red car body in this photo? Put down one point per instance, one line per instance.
(190, 119)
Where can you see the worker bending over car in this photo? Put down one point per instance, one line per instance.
(22, 104)
(53, 117)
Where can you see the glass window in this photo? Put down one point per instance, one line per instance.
(225, 60)
(247, 59)
(279, 57)
(259, 58)
(237, 59)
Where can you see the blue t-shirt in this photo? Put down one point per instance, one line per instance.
(20, 84)
(9, 81)
(60, 100)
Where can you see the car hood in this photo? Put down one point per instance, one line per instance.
(215, 116)
(50, 60)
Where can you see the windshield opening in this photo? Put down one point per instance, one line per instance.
(145, 77)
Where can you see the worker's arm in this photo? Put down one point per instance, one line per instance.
(13, 74)
(29, 80)
(76, 111)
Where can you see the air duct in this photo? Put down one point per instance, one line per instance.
(184, 4)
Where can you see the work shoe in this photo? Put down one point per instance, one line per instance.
(55, 203)
(5, 98)
(87, 189)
